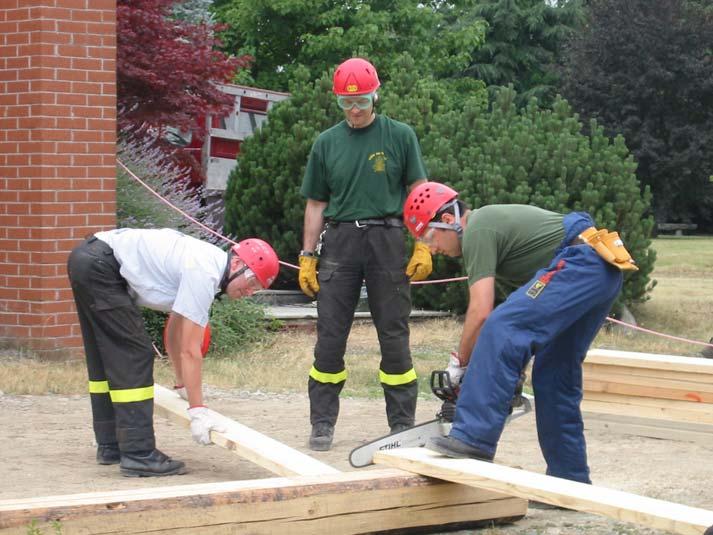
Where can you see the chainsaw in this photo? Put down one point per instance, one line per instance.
(418, 435)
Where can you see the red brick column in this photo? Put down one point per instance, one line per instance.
(57, 159)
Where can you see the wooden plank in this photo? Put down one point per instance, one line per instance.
(657, 413)
(640, 388)
(246, 442)
(639, 376)
(668, 409)
(619, 505)
(650, 427)
(367, 501)
(650, 360)
(699, 408)
(693, 378)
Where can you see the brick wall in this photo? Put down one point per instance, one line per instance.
(57, 159)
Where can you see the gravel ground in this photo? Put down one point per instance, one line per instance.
(48, 449)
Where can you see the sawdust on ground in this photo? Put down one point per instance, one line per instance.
(48, 449)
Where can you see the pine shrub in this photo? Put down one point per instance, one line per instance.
(537, 156)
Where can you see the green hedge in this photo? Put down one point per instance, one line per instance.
(538, 156)
(235, 325)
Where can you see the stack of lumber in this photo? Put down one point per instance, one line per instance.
(311, 497)
(663, 396)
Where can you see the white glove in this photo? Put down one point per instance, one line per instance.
(202, 423)
(181, 391)
(454, 370)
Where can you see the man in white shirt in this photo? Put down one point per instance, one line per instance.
(115, 272)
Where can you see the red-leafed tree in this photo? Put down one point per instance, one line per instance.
(166, 69)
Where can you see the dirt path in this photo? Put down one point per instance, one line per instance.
(47, 450)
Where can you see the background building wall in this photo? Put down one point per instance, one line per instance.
(57, 159)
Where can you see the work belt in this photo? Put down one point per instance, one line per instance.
(609, 246)
(361, 223)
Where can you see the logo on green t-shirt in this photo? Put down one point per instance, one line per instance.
(379, 159)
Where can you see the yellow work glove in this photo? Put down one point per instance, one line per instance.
(420, 265)
(308, 275)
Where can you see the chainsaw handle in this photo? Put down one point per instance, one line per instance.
(442, 387)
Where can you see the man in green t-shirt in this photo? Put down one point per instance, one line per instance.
(559, 276)
(357, 177)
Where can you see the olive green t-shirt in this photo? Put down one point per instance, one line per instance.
(510, 242)
(363, 172)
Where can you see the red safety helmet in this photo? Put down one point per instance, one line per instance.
(355, 76)
(423, 203)
(260, 258)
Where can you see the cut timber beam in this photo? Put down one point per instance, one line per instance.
(648, 512)
(650, 360)
(665, 409)
(650, 427)
(649, 395)
(248, 443)
(647, 386)
(689, 380)
(367, 501)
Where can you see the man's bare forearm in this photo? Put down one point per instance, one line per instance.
(480, 305)
(313, 223)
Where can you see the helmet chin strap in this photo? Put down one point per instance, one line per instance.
(227, 277)
(456, 224)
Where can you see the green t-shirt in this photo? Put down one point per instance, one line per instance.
(363, 172)
(510, 242)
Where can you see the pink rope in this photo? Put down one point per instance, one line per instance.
(636, 327)
(184, 214)
(436, 281)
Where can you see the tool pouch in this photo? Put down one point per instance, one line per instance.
(610, 247)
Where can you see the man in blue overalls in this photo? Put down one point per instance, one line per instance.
(561, 277)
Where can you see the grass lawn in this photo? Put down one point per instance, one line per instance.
(681, 305)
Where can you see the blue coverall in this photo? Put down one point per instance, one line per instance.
(556, 325)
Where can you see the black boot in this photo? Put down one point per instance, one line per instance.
(108, 453)
(397, 428)
(150, 464)
(321, 437)
(457, 449)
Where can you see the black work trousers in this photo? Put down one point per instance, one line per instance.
(375, 254)
(118, 350)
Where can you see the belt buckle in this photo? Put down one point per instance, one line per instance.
(359, 225)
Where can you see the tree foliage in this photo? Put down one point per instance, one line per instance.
(644, 68)
(497, 155)
(523, 43)
(536, 156)
(137, 207)
(283, 35)
(166, 68)
(194, 11)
